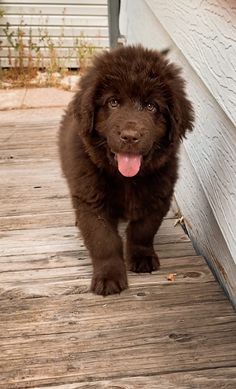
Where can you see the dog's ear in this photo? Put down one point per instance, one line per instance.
(179, 111)
(181, 119)
(82, 106)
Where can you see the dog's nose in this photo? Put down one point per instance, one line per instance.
(130, 136)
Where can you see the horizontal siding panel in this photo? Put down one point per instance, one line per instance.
(205, 32)
(64, 62)
(62, 52)
(55, 9)
(37, 20)
(55, 22)
(66, 31)
(65, 43)
(77, 2)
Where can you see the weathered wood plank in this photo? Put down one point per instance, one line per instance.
(69, 320)
(184, 270)
(55, 333)
(84, 308)
(202, 379)
(81, 258)
(187, 342)
(38, 112)
(50, 288)
(30, 131)
(31, 205)
(41, 241)
(45, 216)
(167, 233)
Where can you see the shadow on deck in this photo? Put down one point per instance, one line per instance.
(53, 332)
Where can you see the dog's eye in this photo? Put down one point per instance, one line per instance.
(151, 107)
(113, 103)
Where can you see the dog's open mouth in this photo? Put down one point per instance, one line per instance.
(128, 164)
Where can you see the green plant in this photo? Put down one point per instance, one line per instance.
(83, 51)
(22, 67)
(32, 47)
(51, 60)
(27, 54)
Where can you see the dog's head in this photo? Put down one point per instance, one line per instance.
(132, 108)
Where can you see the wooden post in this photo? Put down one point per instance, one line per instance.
(113, 19)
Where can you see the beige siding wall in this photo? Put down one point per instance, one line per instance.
(65, 25)
(201, 36)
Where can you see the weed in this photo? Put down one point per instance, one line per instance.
(20, 56)
(28, 55)
(83, 51)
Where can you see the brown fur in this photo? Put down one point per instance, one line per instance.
(131, 100)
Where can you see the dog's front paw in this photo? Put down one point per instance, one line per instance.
(143, 263)
(109, 280)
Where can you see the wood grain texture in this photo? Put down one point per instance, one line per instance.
(33, 220)
(205, 28)
(203, 228)
(147, 33)
(207, 379)
(212, 151)
(211, 148)
(54, 333)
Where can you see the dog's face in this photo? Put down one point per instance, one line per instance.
(132, 105)
(132, 127)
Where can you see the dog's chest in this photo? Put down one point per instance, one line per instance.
(127, 200)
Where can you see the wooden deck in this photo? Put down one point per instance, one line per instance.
(53, 332)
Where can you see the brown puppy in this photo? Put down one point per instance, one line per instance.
(119, 141)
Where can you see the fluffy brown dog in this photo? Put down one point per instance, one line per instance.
(118, 144)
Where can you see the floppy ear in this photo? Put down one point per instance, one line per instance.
(184, 116)
(82, 107)
(179, 109)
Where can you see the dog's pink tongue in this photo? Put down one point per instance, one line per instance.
(128, 164)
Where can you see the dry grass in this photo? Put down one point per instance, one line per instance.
(32, 63)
